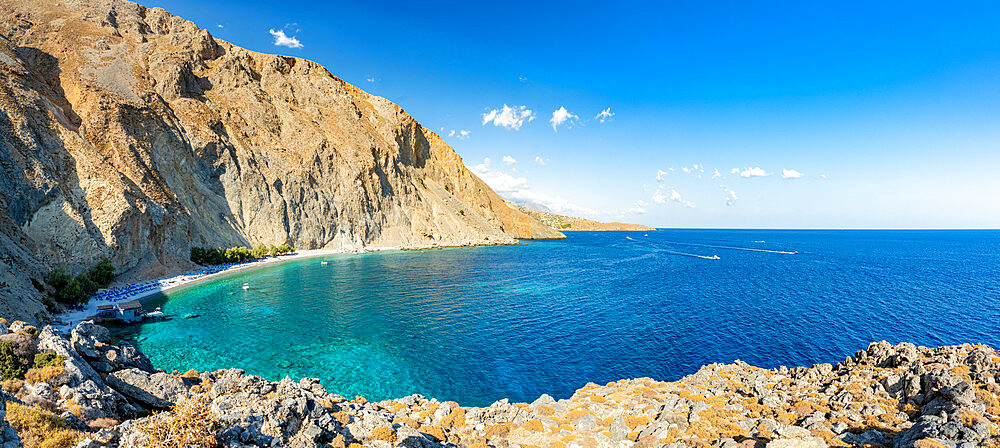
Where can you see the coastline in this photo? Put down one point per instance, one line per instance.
(68, 320)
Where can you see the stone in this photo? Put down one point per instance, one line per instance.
(808, 442)
(157, 390)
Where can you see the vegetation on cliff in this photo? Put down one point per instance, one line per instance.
(69, 290)
(238, 254)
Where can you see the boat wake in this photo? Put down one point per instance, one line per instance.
(749, 249)
(685, 254)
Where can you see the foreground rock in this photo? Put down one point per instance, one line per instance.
(887, 395)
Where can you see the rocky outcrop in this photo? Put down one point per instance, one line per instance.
(133, 134)
(899, 396)
(569, 223)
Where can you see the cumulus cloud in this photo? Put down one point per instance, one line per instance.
(460, 134)
(560, 116)
(283, 40)
(731, 197)
(508, 160)
(753, 172)
(716, 174)
(822, 176)
(639, 207)
(220, 26)
(509, 117)
(539, 160)
(516, 189)
(605, 115)
(790, 174)
(660, 175)
(685, 169)
(667, 194)
(734, 171)
(370, 79)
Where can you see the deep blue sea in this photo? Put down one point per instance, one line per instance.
(479, 324)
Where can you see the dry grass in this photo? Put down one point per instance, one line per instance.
(41, 429)
(43, 375)
(189, 424)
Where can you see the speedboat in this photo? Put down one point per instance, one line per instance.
(714, 257)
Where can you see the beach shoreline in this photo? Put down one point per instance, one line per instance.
(67, 320)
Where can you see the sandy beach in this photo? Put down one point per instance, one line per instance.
(70, 319)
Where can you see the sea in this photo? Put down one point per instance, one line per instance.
(480, 324)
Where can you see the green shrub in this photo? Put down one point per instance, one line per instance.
(58, 278)
(11, 365)
(49, 358)
(37, 284)
(104, 273)
(88, 285)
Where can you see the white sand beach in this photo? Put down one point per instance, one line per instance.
(148, 289)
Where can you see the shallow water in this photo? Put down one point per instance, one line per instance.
(479, 324)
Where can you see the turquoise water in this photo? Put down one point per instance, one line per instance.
(479, 324)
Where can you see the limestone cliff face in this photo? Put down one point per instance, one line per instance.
(131, 133)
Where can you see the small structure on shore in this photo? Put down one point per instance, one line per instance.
(130, 311)
(106, 312)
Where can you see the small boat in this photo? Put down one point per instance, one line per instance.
(714, 257)
(795, 253)
(628, 237)
(246, 286)
(322, 263)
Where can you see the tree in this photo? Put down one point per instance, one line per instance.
(103, 273)
(89, 286)
(58, 278)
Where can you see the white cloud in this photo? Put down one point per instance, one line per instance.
(282, 40)
(660, 175)
(508, 160)
(753, 172)
(731, 197)
(790, 174)
(639, 207)
(370, 79)
(220, 26)
(517, 190)
(734, 171)
(539, 160)
(664, 194)
(605, 115)
(509, 117)
(522, 78)
(685, 169)
(560, 116)
(716, 174)
(822, 176)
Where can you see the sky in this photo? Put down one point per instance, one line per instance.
(680, 114)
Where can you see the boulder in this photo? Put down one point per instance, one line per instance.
(157, 390)
(807, 442)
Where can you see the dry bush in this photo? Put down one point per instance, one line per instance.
(189, 424)
(13, 386)
(41, 429)
(43, 375)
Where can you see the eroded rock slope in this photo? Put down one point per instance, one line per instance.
(130, 133)
(900, 396)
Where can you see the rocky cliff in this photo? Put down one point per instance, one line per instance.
(130, 133)
(569, 223)
(900, 396)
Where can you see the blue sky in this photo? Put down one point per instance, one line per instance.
(815, 114)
